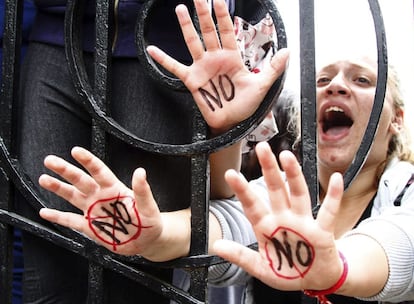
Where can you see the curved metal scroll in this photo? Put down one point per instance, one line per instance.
(77, 243)
(74, 54)
(382, 74)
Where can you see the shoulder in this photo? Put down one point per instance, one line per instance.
(396, 179)
(397, 168)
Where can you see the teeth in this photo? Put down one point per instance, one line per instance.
(334, 109)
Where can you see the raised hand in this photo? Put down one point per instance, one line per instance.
(296, 251)
(225, 91)
(123, 220)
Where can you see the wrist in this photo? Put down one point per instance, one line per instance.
(174, 239)
(368, 268)
(321, 294)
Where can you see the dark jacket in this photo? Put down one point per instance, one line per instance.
(29, 13)
(163, 28)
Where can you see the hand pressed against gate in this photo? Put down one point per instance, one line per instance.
(120, 219)
(294, 249)
(123, 220)
(220, 82)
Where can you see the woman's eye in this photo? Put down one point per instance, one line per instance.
(363, 80)
(323, 80)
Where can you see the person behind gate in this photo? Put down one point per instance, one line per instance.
(52, 119)
(360, 245)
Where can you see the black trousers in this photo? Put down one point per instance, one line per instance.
(52, 120)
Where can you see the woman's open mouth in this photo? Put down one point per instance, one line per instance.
(335, 122)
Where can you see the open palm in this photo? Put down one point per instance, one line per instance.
(296, 251)
(122, 220)
(225, 91)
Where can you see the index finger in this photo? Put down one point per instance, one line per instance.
(253, 207)
(191, 37)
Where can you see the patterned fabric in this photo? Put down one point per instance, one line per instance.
(257, 46)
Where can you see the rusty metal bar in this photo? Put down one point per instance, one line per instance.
(382, 72)
(308, 97)
(8, 100)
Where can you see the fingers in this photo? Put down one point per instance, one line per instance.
(274, 180)
(211, 39)
(277, 66)
(240, 255)
(225, 25)
(253, 207)
(80, 184)
(96, 168)
(299, 194)
(64, 190)
(169, 63)
(330, 207)
(190, 34)
(207, 26)
(70, 173)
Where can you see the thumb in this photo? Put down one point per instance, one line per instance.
(278, 64)
(142, 193)
(239, 255)
(328, 213)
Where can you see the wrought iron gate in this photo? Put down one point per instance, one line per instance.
(94, 97)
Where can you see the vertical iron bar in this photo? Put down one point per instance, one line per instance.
(199, 210)
(308, 97)
(308, 104)
(381, 86)
(102, 70)
(95, 283)
(10, 68)
(98, 140)
(13, 15)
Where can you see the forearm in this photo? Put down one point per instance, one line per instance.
(233, 225)
(176, 236)
(177, 225)
(220, 162)
(391, 233)
(174, 239)
(367, 266)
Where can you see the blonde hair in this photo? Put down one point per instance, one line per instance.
(400, 144)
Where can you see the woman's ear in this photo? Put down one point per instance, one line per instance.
(397, 122)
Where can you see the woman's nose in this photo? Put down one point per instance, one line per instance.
(337, 86)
